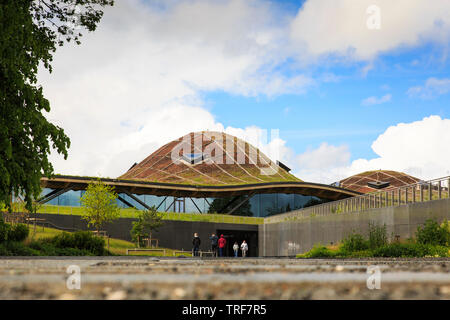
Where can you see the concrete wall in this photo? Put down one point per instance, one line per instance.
(293, 237)
(173, 234)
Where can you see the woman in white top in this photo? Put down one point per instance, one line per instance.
(236, 249)
(244, 248)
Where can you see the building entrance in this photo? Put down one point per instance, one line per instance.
(232, 236)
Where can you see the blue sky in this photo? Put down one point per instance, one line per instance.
(333, 112)
(346, 95)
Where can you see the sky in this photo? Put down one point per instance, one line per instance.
(350, 85)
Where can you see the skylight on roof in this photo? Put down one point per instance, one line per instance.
(193, 158)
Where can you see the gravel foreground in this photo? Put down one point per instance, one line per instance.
(117, 278)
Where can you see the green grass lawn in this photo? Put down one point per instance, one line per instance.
(116, 246)
(132, 213)
(41, 233)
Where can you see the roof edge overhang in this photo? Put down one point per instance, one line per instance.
(201, 191)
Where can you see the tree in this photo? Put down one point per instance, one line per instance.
(218, 204)
(35, 206)
(100, 202)
(148, 222)
(30, 32)
(433, 233)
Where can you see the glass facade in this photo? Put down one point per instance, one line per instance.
(259, 205)
(263, 205)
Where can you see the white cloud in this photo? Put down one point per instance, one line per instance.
(330, 77)
(136, 82)
(432, 88)
(324, 27)
(418, 148)
(374, 100)
(267, 140)
(317, 165)
(324, 157)
(366, 69)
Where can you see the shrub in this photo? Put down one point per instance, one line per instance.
(354, 242)
(445, 226)
(18, 232)
(433, 233)
(3, 250)
(85, 240)
(13, 248)
(358, 254)
(398, 250)
(4, 230)
(82, 240)
(46, 247)
(409, 250)
(377, 235)
(81, 243)
(73, 252)
(43, 246)
(318, 251)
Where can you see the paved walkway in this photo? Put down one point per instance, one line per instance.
(166, 278)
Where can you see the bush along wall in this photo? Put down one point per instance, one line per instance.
(13, 242)
(431, 240)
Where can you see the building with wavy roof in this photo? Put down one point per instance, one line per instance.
(205, 172)
(371, 181)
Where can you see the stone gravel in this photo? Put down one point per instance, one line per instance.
(117, 278)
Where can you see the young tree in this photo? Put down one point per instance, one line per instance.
(30, 32)
(148, 222)
(35, 206)
(100, 202)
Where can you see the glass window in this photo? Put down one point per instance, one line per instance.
(255, 205)
(269, 205)
(259, 205)
(70, 198)
(285, 202)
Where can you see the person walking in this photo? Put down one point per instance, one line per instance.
(244, 248)
(196, 244)
(236, 249)
(214, 240)
(222, 243)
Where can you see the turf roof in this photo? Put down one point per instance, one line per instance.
(359, 182)
(224, 160)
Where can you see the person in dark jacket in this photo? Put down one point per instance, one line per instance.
(196, 244)
(214, 240)
(222, 243)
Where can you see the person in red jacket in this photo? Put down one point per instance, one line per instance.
(222, 243)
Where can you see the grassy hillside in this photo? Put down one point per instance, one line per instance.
(116, 246)
(132, 213)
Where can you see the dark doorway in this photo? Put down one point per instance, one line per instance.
(232, 236)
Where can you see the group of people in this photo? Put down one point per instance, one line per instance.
(243, 247)
(218, 246)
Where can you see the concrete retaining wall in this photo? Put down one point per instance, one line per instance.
(293, 237)
(284, 238)
(173, 234)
